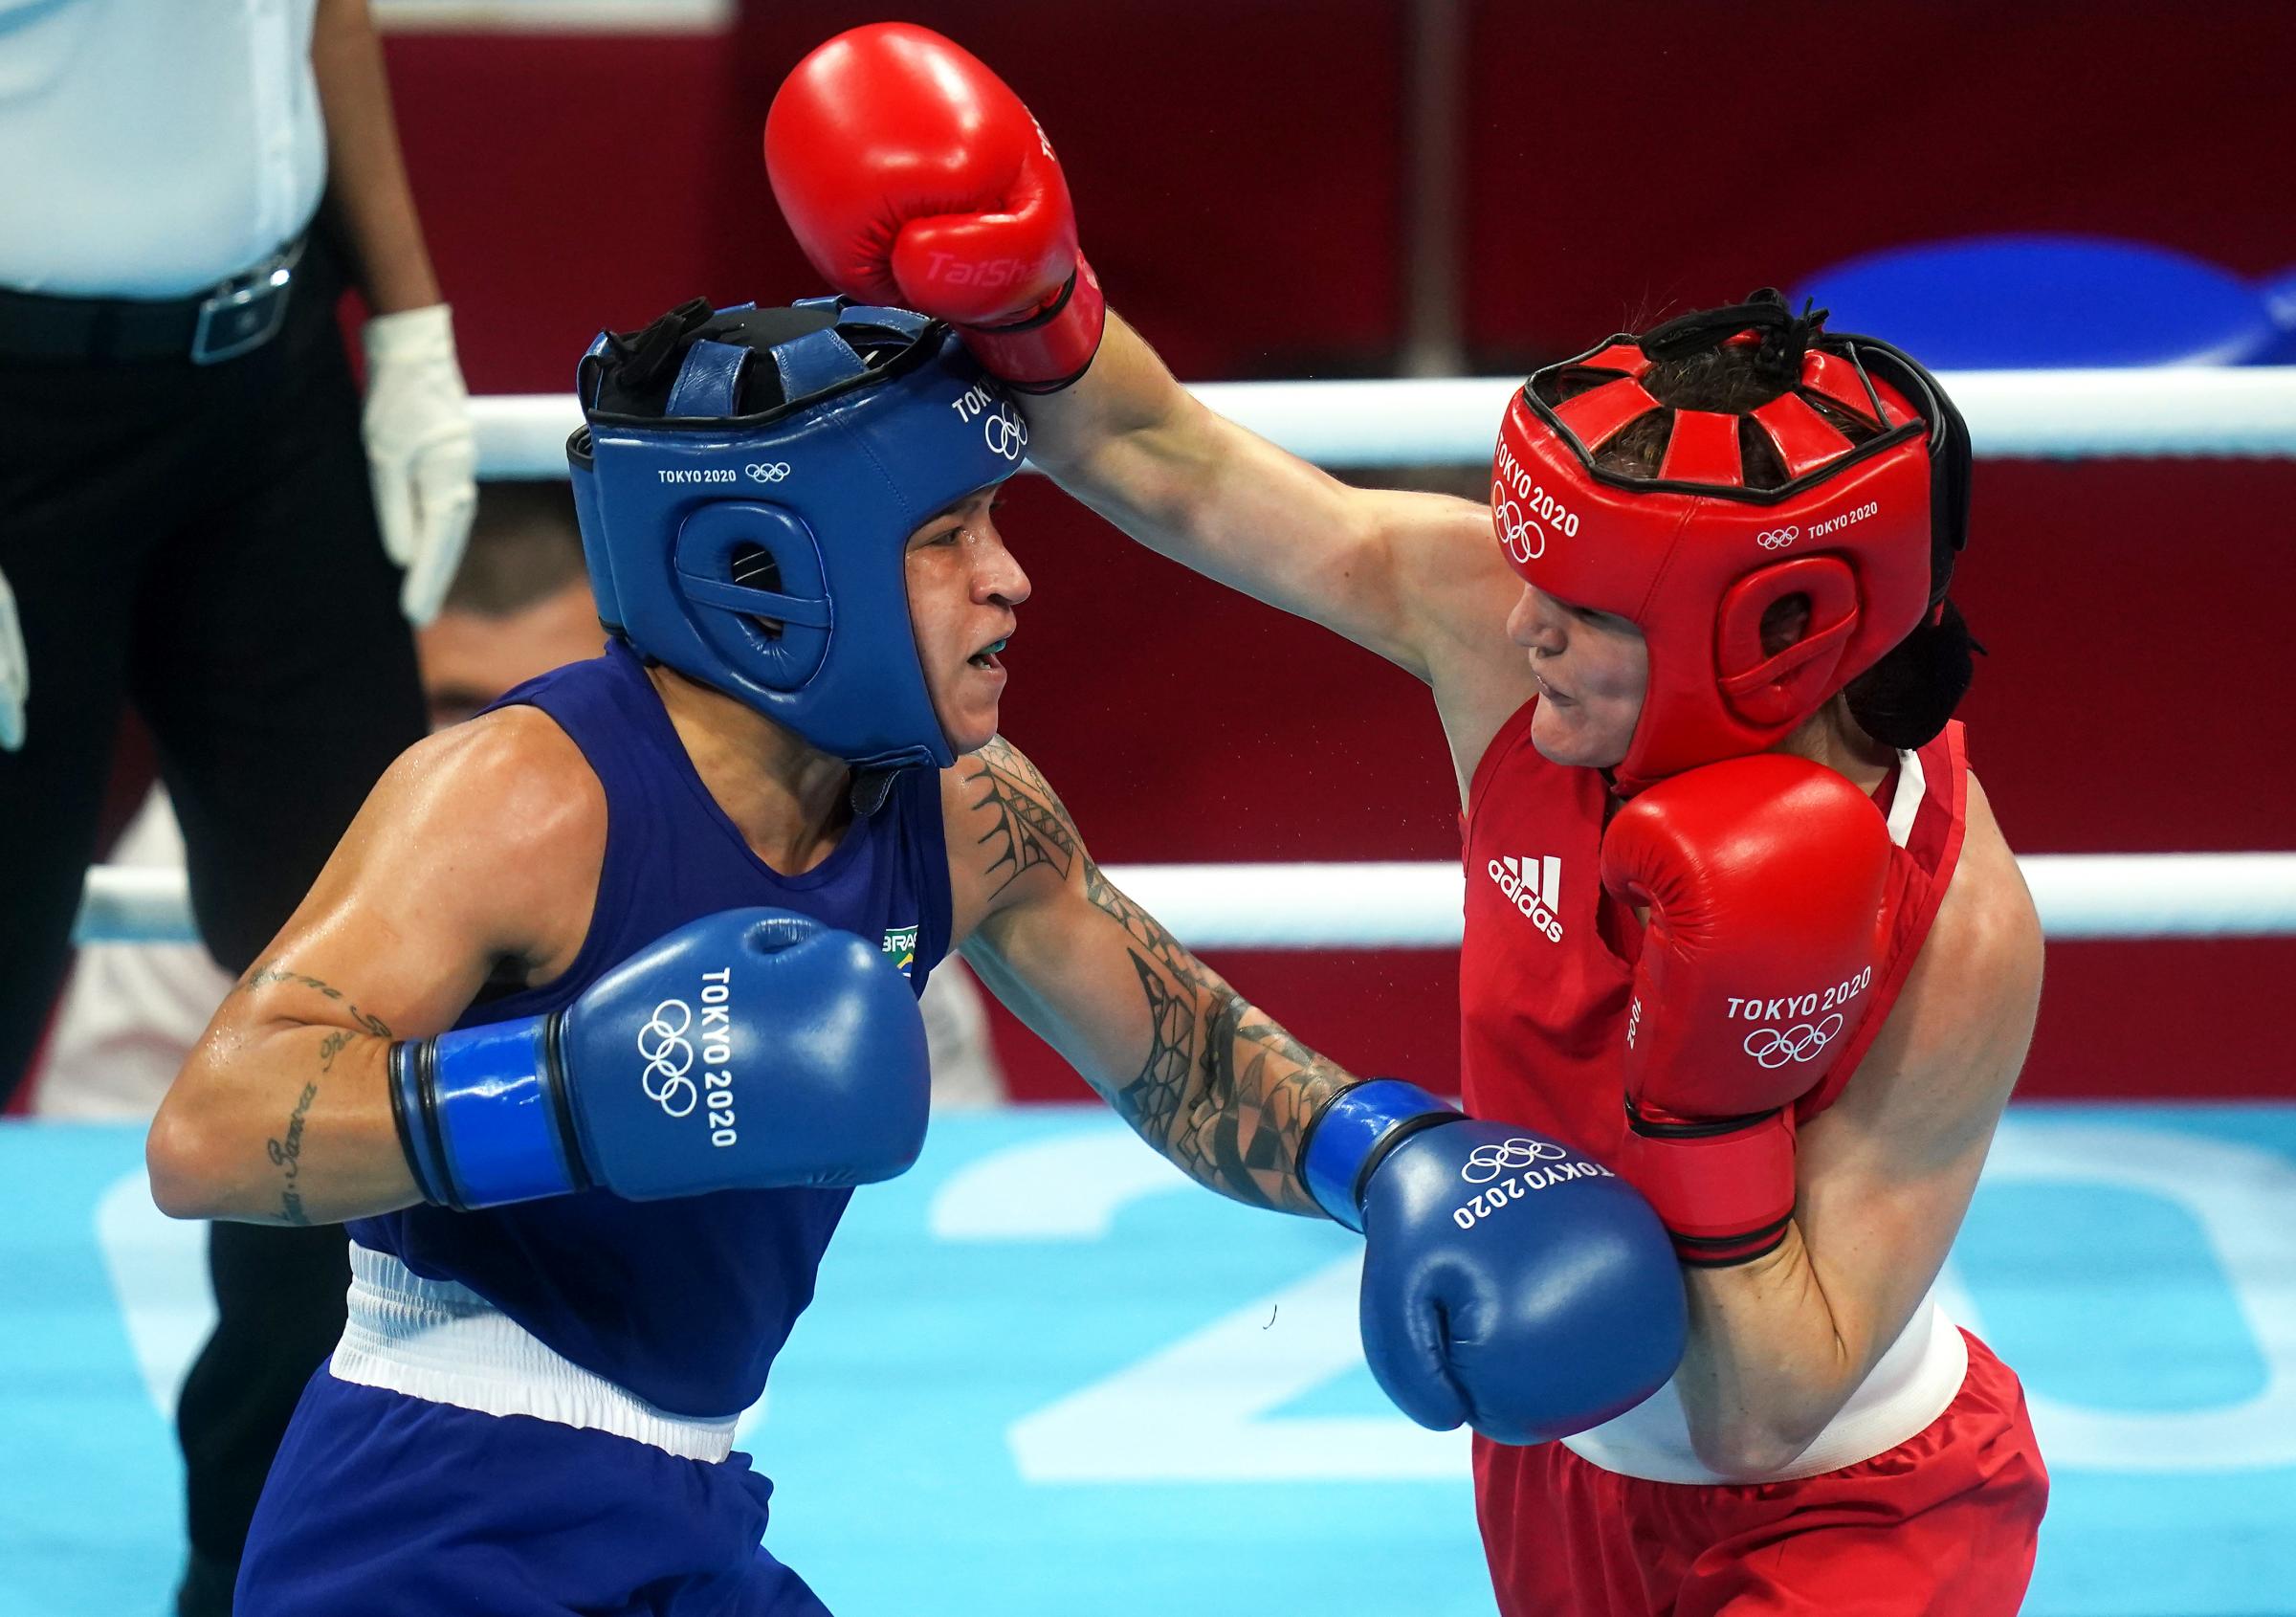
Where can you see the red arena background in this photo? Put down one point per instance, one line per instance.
(1242, 195)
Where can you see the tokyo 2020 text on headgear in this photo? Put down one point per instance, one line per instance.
(747, 482)
(1867, 529)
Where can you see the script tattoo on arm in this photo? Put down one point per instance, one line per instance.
(1225, 1090)
(286, 1149)
(263, 976)
(287, 1155)
(1030, 826)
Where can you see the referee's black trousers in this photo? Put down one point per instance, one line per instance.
(199, 540)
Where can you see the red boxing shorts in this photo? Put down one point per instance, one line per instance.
(1944, 1522)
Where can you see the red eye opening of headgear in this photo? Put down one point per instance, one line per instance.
(1849, 487)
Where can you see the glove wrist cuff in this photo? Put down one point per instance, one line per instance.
(1054, 348)
(1353, 1133)
(412, 1067)
(480, 1119)
(1723, 1187)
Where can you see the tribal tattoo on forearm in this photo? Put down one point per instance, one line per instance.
(1231, 1114)
(1152, 1102)
(1223, 1091)
(1254, 1115)
(1145, 930)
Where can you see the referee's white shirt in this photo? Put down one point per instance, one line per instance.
(149, 149)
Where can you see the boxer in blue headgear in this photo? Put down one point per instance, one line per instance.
(799, 445)
(634, 936)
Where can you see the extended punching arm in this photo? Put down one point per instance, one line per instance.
(1527, 1304)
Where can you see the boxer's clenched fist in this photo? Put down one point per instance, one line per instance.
(1764, 878)
(1509, 1281)
(912, 176)
(750, 1050)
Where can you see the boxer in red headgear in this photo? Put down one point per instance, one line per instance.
(1739, 916)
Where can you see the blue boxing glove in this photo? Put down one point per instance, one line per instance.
(1509, 1281)
(747, 1050)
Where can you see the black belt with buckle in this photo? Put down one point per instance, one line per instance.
(234, 318)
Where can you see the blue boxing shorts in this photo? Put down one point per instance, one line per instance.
(386, 1503)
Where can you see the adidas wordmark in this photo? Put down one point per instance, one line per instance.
(1533, 886)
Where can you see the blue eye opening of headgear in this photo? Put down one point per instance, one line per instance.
(747, 480)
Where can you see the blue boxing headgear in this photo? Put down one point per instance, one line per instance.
(747, 483)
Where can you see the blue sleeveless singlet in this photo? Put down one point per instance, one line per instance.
(683, 1302)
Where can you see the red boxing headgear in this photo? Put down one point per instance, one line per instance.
(1692, 556)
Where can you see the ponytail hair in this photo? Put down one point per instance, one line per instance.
(1905, 700)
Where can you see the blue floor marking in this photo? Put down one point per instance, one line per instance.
(1045, 1375)
(2186, 1348)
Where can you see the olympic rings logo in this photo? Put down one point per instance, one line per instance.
(1004, 433)
(669, 1058)
(1775, 1047)
(1521, 533)
(1486, 1162)
(767, 471)
(1777, 538)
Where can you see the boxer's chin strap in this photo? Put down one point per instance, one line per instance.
(870, 788)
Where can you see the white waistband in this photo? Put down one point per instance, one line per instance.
(439, 1341)
(1907, 1388)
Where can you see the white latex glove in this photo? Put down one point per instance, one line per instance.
(420, 451)
(16, 671)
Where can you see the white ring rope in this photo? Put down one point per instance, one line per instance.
(2181, 411)
(1376, 905)
(2012, 414)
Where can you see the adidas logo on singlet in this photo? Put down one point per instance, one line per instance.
(1533, 886)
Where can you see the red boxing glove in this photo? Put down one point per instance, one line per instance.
(913, 176)
(1764, 878)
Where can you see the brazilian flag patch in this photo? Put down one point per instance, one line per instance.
(900, 942)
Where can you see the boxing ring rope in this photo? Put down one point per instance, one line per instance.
(1411, 905)
(2012, 414)
(2174, 411)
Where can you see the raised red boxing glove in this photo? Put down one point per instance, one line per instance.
(911, 176)
(1763, 878)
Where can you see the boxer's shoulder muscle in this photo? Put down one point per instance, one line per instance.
(483, 842)
(1459, 591)
(1936, 1081)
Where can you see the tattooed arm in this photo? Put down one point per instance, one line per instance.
(461, 861)
(1204, 1075)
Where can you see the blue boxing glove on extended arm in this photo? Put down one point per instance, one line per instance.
(745, 1050)
(1509, 1281)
